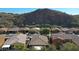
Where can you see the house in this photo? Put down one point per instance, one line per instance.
(3, 30)
(7, 44)
(17, 29)
(23, 30)
(63, 37)
(21, 38)
(36, 28)
(38, 41)
(55, 30)
(13, 30)
(2, 40)
(66, 30)
(74, 30)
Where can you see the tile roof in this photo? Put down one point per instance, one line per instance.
(38, 39)
(64, 36)
(21, 38)
(11, 40)
(2, 40)
(13, 29)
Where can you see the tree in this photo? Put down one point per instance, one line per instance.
(44, 31)
(70, 47)
(31, 31)
(55, 31)
(20, 46)
(49, 48)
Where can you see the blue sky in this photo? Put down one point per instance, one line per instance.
(73, 11)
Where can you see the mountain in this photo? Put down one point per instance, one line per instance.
(39, 16)
(6, 19)
(76, 20)
(46, 16)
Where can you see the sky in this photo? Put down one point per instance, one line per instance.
(72, 11)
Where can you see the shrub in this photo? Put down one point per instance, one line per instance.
(70, 47)
(20, 46)
(49, 48)
(44, 31)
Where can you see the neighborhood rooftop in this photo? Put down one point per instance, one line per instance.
(38, 39)
(14, 39)
(63, 36)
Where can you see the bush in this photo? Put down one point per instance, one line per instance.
(70, 47)
(55, 31)
(49, 48)
(44, 31)
(20, 46)
(52, 48)
(32, 31)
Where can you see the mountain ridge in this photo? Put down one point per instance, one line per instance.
(39, 16)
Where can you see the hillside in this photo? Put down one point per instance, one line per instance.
(39, 16)
(46, 16)
(7, 19)
(76, 20)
